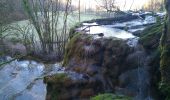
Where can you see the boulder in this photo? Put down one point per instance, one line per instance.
(96, 64)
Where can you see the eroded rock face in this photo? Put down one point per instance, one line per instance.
(99, 62)
(103, 65)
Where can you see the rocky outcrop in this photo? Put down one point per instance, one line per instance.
(104, 65)
(150, 39)
(151, 36)
(96, 63)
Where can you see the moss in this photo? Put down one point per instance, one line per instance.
(69, 48)
(155, 59)
(109, 96)
(165, 60)
(163, 37)
(55, 85)
(156, 28)
(165, 88)
(158, 19)
(151, 36)
(72, 30)
(74, 47)
(57, 78)
(165, 57)
(165, 70)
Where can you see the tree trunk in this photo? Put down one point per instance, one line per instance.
(165, 54)
(79, 10)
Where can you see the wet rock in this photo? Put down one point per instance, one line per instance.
(136, 59)
(135, 83)
(20, 80)
(137, 33)
(86, 93)
(67, 86)
(95, 65)
(93, 70)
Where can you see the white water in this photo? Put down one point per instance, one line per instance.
(113, 31)
(109, 32)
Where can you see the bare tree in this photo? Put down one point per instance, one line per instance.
(79, 10)
(131, 5)
(4, 19)
(108, 5)
(154, 5)
(45, 15)
(12, 10)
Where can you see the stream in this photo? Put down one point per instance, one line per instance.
(23, 80)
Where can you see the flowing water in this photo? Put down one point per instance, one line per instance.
(119, 30)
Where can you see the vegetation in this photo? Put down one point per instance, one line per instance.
(72, 31)
(109, 96)
(57, 79)
(150, 39)
(69, 48)
(151, 36)
(44, 15)
(165, 54)
(11, 11)
(25, 32)
(154, 5)
(108, 5)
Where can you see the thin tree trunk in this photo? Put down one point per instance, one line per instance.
(79, 10)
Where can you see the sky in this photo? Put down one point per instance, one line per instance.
(92, 3)
(137, 4)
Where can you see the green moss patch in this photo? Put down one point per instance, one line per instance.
(165, 70)
(109, 96)
(69, 48)
(72, 31)
(75, 47)
(151, 36)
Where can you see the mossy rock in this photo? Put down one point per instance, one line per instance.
(109, 96)
(165, 56)
(72, 31)
(165, 70)
(61, 77)
(73, 49)
(55, 85)
(150, 37)
(165, 88)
